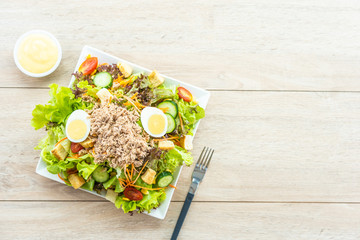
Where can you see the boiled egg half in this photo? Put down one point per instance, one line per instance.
(77, 126)
(154, 121)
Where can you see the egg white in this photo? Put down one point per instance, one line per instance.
(146, 113)
(78, 115)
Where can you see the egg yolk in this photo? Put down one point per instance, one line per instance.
(156, 124)
(77, 129)
(37, 53)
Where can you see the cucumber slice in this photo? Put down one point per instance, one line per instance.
(100, 174)
(170, 106)
(164, 179)
(103, 80)
(171, 123)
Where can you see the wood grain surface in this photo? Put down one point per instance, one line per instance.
(283, 117)
(231, 44)
(205, 220)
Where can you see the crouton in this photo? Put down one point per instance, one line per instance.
(111, 195)
(186, 142)
(125, 69)
(88, 143)
(75, 180)
(105, 96)
(166, 145)
(155, 79)
(148, 176)
(59, 152)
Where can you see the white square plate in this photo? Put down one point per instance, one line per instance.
(201, 95)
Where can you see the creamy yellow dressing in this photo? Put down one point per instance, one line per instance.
(37, 53)
(76, 129)
(156, 124)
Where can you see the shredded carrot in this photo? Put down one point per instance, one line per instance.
(93, 72)
(122, 183)
(125, 174)
(177, 143)
(140, 172)
(128, 182)
(125, 82)
(60, 141)
(147, 188)
(181, 123)
(118, 79)
(129, 174)
(75, 156)
(172, 186)
(129, 99)
(134, 96)
(139, 105)
(163, 139)
(63, 179)
(132, 170)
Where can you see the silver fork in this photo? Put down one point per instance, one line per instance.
(197, 176)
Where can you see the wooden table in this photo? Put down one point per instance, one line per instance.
(284, 116)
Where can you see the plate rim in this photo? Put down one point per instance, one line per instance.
(169, 192)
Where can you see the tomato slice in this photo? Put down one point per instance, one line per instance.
(184, 94)
(76, 147)
(133, 194)
(88, 66)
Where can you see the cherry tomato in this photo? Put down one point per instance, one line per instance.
(184, 94)
(88, 66)
(76, 147)
(133, 194)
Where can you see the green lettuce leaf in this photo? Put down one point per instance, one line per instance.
(62, 102)
(118, 187)
(54, 134)
(90, 89)
(127, 206)
(174, 158)
(86, 169)
(60, 166)
(190, 113)
(141, 183)
(151, 200)
(110, 182)
(89, 185)
(162, 93)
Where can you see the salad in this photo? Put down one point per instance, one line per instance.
(118, 133)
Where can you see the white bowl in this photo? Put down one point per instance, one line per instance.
(17, 44)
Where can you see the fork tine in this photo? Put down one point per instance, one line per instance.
(200, 158)
(208, 162)
(203, 157)
(202, 165)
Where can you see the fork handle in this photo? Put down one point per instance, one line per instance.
(182, 216)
